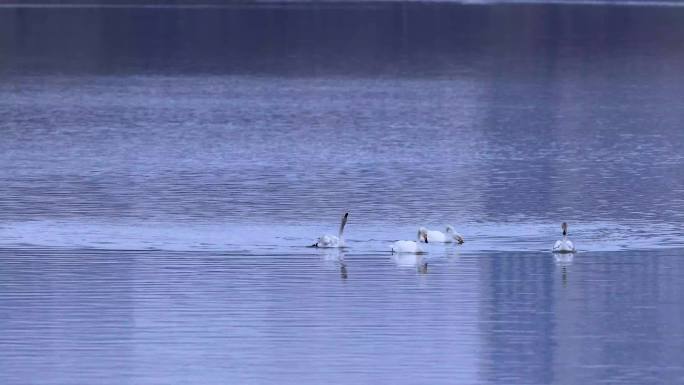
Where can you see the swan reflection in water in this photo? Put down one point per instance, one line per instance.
(563, 260)
(343, 271)
(335, 257)
(416, 261)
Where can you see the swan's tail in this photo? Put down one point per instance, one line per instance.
(344, 222)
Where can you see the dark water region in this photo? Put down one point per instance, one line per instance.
(163, 169)
(376, 39)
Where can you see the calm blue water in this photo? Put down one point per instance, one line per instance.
(163, 170)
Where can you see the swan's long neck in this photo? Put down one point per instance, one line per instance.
(344, 222)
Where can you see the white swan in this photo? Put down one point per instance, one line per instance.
(331, 240)
(564, 245)
(412, 247)
(440, 237)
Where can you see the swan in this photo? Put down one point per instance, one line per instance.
(329, 241)
(564, 245)
(412, 247)
(440, 237)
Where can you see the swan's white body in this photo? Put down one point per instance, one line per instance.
(564, 245)
(440, 237)
(329, 241)
(406, 247)
(410, 247)
(332, 241)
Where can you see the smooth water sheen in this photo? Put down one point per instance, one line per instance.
(164, 170)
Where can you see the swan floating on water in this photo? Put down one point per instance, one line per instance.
(564, 245)
(330, 241)
(412, 247)
(440, 237)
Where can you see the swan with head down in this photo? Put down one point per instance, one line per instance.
(448, 236)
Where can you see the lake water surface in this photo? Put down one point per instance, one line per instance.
(163, 170)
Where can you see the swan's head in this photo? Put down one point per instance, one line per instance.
(422, 235)
(564, 226)
(452, 233)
